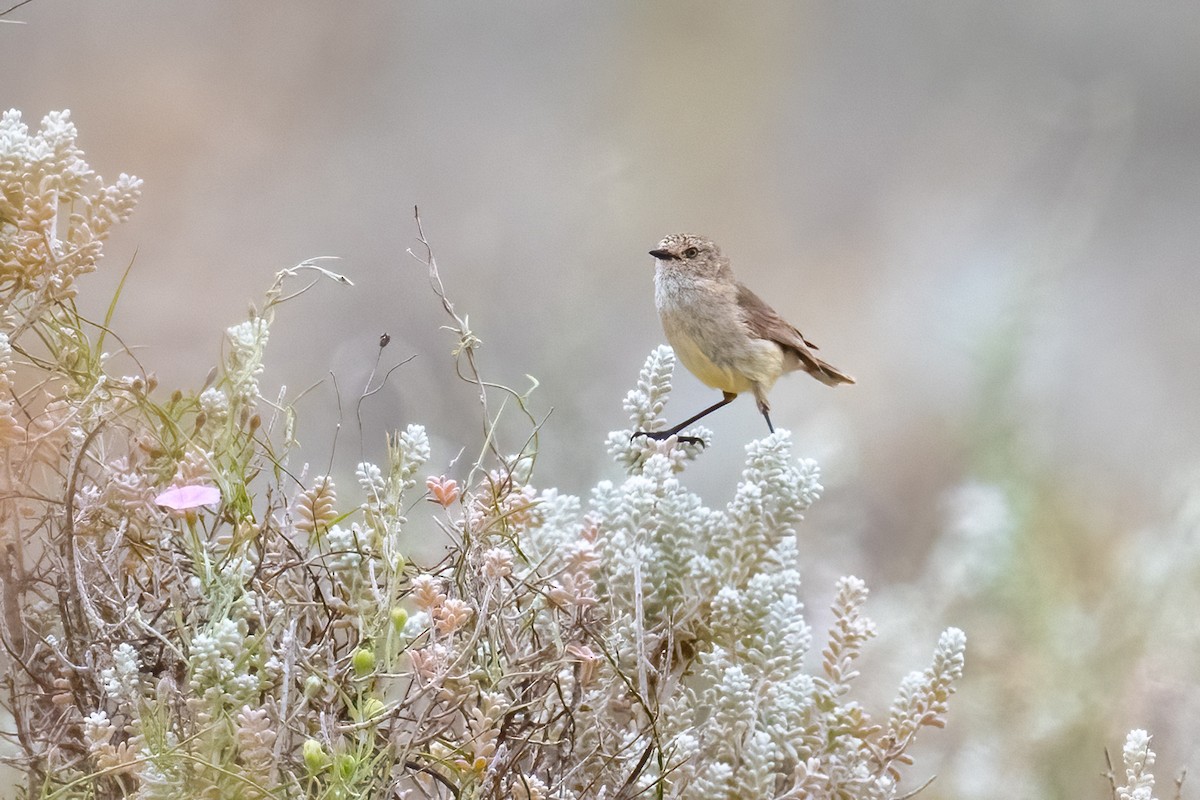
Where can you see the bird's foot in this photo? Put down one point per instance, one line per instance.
(659, 436)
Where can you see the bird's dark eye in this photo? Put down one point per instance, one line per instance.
(690, 252)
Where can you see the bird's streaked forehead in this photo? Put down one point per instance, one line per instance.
(682, 241)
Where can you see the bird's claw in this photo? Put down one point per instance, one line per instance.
(659, 436)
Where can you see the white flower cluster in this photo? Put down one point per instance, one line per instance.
(97, 729)
(214, 403)
(45, 178)
(1138, 760)
(121, 681)
(407, 453)
(345, 557)
(219, 670)
(244, 363)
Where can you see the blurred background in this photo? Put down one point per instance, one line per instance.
(989, 213)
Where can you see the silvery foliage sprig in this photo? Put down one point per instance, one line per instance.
(645, 405)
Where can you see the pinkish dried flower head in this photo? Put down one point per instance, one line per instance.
(453, 614)
(497, 563)
(427, 592)
(444, 491)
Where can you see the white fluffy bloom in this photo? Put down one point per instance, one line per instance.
(55, 212)
(247, 345)
(97, 729)
(1138, 759)
(121, 680)
(345, 550)
(411, 451)
(214, 403)
(215, 655)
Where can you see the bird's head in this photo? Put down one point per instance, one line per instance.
(691, 253)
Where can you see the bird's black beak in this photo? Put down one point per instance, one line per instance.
(665, 255)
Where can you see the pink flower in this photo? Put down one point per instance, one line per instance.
(182, 498)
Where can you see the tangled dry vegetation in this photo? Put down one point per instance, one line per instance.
(182, 616)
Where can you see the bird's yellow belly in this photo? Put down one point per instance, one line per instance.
(759, 367)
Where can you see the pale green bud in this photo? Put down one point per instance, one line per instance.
(363, 662)
(371, 708)
(315, 757)
(345, 765)
(399, 617)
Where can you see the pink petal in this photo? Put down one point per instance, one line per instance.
(181, 498)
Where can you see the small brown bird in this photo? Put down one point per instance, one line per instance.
(723, 332)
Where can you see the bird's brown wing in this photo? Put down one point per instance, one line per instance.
(766, 323)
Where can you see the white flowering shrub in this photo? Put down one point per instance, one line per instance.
(182, 617)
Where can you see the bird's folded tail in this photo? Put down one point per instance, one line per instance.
(827, 373)
(823, 371)
(797, 351)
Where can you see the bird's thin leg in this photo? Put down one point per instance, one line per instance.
(660, 435)
(764, 407)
